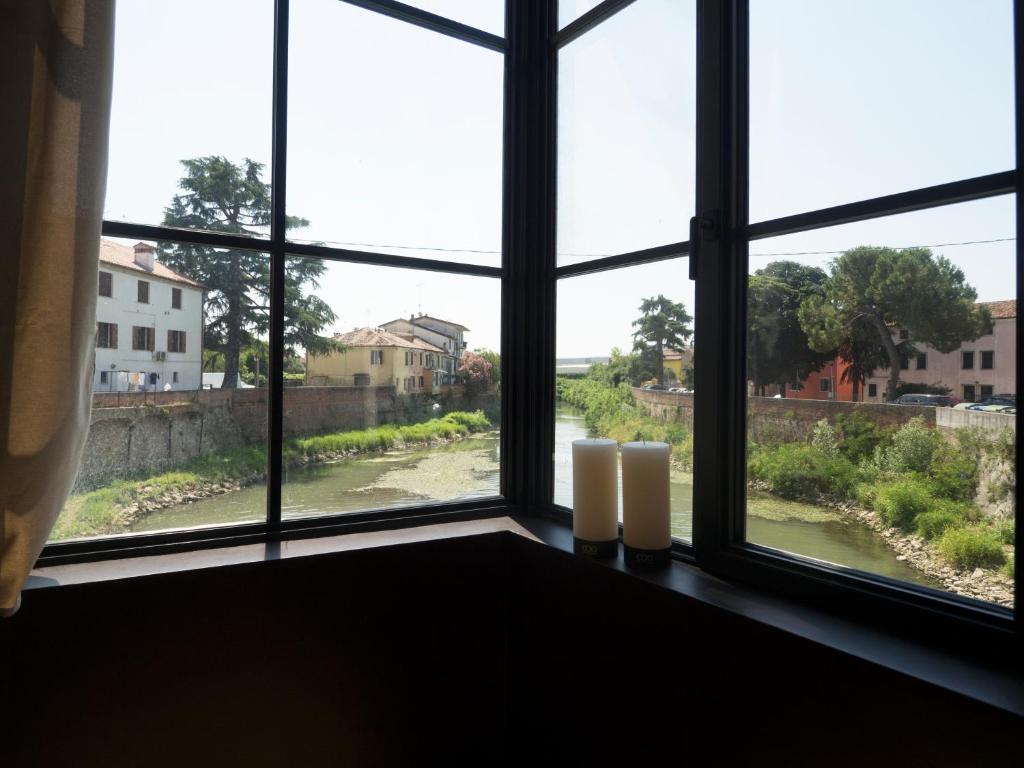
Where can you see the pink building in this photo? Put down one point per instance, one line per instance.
(983, 367)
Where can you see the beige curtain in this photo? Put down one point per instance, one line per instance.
(56, 62)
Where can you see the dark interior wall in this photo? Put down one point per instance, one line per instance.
(484, 650)
(604, 664)
(376, 657)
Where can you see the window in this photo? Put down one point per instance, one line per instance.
(421, 382)
(967, 360)
(143, 294)
(922, 362)
(174, 377)
(106, 284)
(987, 360)
(872, 390)
(175, 298)
(986, 390)
(176, 341)
(104, 377)
(904, 334)
(376, 357)
(969, 396)
(825, 385)
(106, 335)
(904, 362)
(143, 338)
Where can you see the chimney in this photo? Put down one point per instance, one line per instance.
(144, 255)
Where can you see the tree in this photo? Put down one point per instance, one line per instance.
(475, 372)
(663, 325)
(778, 351)
(219, 196)
(884, 289)
(494, 359)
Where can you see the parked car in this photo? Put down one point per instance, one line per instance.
(938, 401)
(1004, 400)
(655, 387)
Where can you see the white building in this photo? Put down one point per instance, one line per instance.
(149, 323)
(443, 334)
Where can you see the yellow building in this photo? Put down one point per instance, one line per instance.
(373, 357)
(675, 361)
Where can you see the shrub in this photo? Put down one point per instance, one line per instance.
(968, 548)
(953, 473)
(912, 449)
(859, 436)
(1004, 531)
(933, 523)
(825, 439)
(474, 421)
(900, 501)
(1008, 568)
(865, 494)
(794, 471)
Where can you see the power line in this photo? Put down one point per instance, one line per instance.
(895, 247)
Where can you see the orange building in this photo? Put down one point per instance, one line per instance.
(826, 384)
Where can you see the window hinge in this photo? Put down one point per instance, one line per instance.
(701, 228)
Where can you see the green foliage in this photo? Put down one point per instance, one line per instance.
(912, 449)
(494, 359)
(219, 196)
(933, 523)
(594, 398)
(664, 325)
(968, 548)
(1009, 567)
(899, 502)
(859, 435)
(911, 388)
(797, 471)
(475, 371)
(1004, 531)
(953, 473)
(825, 439)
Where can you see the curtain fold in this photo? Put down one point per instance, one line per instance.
(56, 60)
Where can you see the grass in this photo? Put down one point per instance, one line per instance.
(98, 512)
(969, 548)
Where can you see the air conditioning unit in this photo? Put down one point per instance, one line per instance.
(159, 355)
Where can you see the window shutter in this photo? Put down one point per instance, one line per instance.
(113, 335)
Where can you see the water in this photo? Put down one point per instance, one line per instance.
(468, 469)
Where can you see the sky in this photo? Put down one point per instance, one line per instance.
(395, 139)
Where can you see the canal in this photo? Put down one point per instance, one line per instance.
(468, 469)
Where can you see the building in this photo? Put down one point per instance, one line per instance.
(676, 361)
(979, 368)
(443, 334)
(149, 323)
(375, 357)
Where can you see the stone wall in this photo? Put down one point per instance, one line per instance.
(772, 419)
(138, 432)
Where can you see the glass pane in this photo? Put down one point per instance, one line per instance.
(855, 99)
(179, 413)
(920, 488)
(392, 400)
(401, 153)
(626, 111)
(182, 91)
(488, 15)
(607, 371)
(570, 10)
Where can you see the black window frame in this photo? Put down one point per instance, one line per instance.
(922, 362)
(529, 273)
(991, 360)
(142, 292)
(108, 278)
(966, 355)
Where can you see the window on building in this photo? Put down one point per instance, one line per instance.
(174, 377)
(967, 360)
(176, 341)
(106, 335)
(987, 360)
(922, 362)
(421, 382)
(106, 284)
(825, 385)
(104, 377)
(175, 298)
(904, 362)
(904, 334)
(143, 295)
(969, 393)
(986, 390)
(376, 357)
(872, 390)
(143, 338)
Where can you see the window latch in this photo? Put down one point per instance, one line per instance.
(701, 228)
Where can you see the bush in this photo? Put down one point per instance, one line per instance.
(968, 548)
(1004, 531)
(933, 523)
(795, 471)
(912, 449)
(953, 473)
(898, 503)
(859, 436)
(1008, 568)
(825, 439)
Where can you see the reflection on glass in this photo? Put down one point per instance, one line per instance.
(625, 372)
(392, 399)
(932, 103)
(168, 108)
(877, 437)
(626, 111)
(401, 151)
(178, 430)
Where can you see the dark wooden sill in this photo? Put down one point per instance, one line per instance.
(978, 675)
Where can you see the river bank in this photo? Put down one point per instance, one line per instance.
(120, 506)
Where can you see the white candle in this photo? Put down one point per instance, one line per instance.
(595, 498)
(646, 522)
